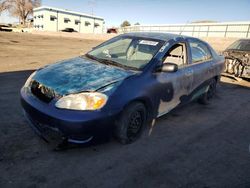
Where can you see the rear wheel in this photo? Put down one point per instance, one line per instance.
(131, 123)
(209, 94)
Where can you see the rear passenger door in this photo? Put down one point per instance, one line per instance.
(201, 62)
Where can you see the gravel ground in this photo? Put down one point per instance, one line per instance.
(193, 146)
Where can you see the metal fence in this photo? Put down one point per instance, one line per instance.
(226, 29)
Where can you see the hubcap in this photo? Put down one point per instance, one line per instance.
(134, 124)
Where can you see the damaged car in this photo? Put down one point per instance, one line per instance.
(120, 86)
(237, 57)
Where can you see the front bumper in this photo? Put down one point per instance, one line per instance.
(75, 126)
(236, 66)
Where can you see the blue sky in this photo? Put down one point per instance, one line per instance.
(156, 11)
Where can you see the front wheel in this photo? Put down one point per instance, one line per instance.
(131, 123)
(209, 94)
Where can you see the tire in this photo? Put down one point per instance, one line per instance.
(205, 98)
(130, 124)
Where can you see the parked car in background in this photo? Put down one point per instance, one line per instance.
(6, 28)
(69, 30)
(112, 30)
(237, 57)
(120, 85)
(14, 28)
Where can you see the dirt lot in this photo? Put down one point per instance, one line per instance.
(193, 146)
(22, 51)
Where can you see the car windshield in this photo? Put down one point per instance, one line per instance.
(127, 52)
(243, 45)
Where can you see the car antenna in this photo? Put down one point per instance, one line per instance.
(183, 27)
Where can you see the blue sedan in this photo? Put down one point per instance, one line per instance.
(120, 86)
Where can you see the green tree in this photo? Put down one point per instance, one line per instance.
(125, 24)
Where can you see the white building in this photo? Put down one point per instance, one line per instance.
(54, 19)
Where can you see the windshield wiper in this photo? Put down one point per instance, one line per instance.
(92, 57)
(103, 61)
(112, 62)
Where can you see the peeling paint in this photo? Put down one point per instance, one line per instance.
(79, 74)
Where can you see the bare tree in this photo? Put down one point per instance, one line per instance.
(19, 8)
(3, 6)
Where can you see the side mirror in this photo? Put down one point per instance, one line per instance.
(169, 67)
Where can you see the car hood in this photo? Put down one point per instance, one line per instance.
(79, 74)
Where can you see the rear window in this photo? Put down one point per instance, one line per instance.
(243, 45)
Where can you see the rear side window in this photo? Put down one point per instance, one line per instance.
(199, 51)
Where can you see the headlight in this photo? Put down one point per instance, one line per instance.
(82, 101)
(27, 83)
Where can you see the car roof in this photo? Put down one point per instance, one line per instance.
(155, 35)
(243, 40)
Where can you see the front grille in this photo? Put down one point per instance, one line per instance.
(42, 92)
(47, 132)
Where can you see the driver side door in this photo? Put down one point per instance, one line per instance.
(175, 86)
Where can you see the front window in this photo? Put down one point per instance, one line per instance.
(177, 55)
(130, 52)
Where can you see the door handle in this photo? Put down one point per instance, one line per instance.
(189, 72)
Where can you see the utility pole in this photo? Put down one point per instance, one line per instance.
(91, 4)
